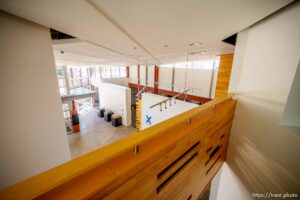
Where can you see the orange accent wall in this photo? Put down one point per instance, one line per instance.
(224, 73)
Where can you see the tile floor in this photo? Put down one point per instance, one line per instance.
(95, 133)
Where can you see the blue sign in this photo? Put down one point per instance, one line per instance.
(148, 120)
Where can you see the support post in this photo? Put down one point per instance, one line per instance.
(127, 71)
(75, 118)
(156, 69)
(173, 78)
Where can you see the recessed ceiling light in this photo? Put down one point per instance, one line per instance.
(194, 52)
(195, 44)
(197, 52)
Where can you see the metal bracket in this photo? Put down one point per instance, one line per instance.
(189, 121)
(136, 149)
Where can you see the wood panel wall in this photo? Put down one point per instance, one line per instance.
(138, 124)
(224, 75)
(175, 159)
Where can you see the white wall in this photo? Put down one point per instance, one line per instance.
(165, 78)
(214, 83)
(149, 99)
(33, 134)
(233, 189)
(196, 78)
(117, 81)
(115, 98)
(151, 75)
(142, 75)
(291, 115)
(263, 155)
(133, 77)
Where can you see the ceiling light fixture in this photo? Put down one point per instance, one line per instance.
(195, 44)
(197, 52)
(194, 52)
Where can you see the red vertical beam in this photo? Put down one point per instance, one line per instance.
(127, 71)
(139, 76)
(156, 69)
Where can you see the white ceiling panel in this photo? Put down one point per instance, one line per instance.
(177, 23)
(77, 18)
(135, 30)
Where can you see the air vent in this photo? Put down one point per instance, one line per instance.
(208, 150)
(213, 164)
(168, 173)
(213, 153)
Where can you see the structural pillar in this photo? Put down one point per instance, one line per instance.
(156, 71)
(127, 71)
(75, 118)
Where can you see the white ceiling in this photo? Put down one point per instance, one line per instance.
(109, 30)
(78, 52)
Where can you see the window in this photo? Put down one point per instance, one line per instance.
(61, 80)
(77, 76)
(115, 72)
(97, 72)
(197, 64)
(123, 72)
(107, 72)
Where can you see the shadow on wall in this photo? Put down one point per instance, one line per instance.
(264, 155)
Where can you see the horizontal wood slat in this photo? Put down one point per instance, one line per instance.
(117, 172)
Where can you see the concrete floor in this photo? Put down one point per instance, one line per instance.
(95, 133)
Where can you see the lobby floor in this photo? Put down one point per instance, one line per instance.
(95, 133)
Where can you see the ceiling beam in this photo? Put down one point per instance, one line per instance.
(120, 27)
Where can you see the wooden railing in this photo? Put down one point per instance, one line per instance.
(175, 159)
